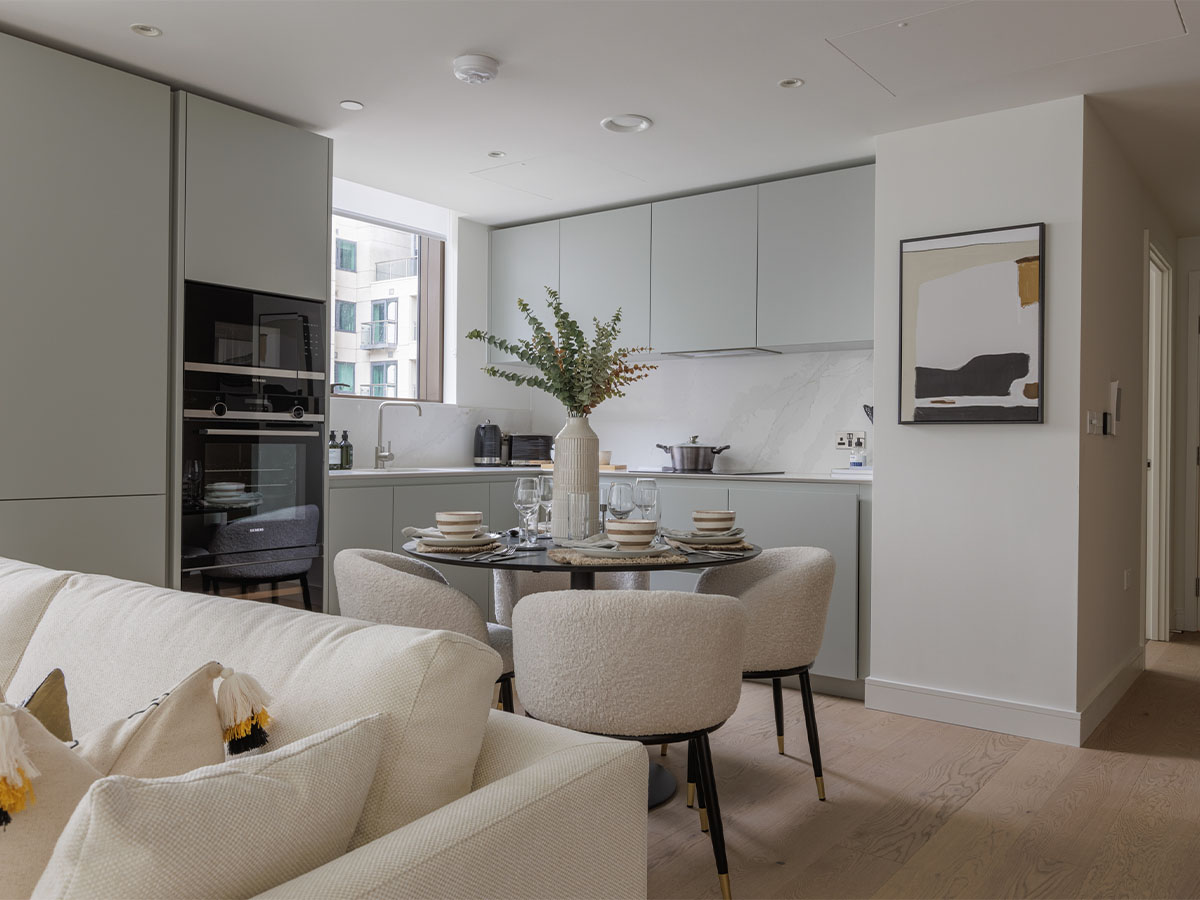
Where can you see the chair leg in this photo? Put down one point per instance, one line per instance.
(274, 591)
(810, 723)
(506, 694)
(777, 696)
(717, 833)
(691, 776)
(663, 751)
(701, 806)
(304, 590)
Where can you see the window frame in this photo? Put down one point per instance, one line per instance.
(340, 244)
(337, 319)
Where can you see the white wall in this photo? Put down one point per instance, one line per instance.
(393, 209)
(1116, 213)
(777, 413)
(1184, 439)
(975, 534)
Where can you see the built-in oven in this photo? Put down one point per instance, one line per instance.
(251, 512)
(253, 445)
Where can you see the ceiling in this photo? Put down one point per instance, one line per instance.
(706, 72)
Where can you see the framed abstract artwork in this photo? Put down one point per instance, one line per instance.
(971, 317)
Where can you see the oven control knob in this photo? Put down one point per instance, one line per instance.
(297, 412)
(219, 408)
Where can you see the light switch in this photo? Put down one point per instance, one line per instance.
(1093, 422)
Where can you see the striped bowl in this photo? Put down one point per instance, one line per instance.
(458, 524)
(632, 534)
(713, 521)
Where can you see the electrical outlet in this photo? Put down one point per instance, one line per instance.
(845, 439)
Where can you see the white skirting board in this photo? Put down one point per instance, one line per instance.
(1044, 723)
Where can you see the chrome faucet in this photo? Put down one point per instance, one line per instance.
(382, 457)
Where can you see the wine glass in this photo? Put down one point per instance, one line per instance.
(546, 494)
(525, 499)
(645, 498)
(193, 476)
(620, 499)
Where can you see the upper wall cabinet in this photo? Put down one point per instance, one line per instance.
(604, 263)
(703, 271)
(816, 260)
(256, 201)
(524, 262)
(85, 220)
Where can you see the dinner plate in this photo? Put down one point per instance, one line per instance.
(477, 541)
(599, 553)
(697, 540)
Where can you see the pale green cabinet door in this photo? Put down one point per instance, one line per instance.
(524, 262)
(604, 263)
(816, 260)
(359, 517)
(703, 271)
(417, 504)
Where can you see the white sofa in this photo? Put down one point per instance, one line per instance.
(549, 812)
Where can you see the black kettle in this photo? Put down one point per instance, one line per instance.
(487, 444)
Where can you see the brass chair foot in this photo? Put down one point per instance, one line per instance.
(779, 738)
(704, 820)
(691, 795)
(820, 787)
(725, 887)
(663, 751)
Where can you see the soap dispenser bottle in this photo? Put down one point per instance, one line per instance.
(347, 449)
(857, 454)
(334, 452)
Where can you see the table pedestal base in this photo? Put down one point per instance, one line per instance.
(662, 785)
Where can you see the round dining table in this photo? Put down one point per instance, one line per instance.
(662, 783)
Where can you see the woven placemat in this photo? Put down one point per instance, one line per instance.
(740, 545)
(423, 547)
(575, 558)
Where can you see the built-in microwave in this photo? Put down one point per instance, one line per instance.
(234, 328)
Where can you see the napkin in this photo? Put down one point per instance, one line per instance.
(699, 536)
(595, 542)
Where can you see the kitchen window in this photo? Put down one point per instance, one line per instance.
(388, 295)
(345, 256)
(345, 315)
(343, 378)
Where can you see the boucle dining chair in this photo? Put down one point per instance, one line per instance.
(391, 589)
(510, 586)
(786, 592)
(649, 666)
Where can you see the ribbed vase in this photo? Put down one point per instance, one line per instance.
(576, 470)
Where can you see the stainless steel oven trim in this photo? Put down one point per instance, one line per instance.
(255, 432)
(249, 416)
(222, 369)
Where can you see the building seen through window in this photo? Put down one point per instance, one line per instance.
(387, 311)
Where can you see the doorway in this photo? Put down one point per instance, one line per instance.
(1158, 444)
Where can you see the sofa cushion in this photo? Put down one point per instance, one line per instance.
(63, 778)
(25, 592)
(230, 830)
(48, 704)
(118, 642)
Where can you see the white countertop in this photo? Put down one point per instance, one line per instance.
(361, 477)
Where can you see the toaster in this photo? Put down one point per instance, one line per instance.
(530, 449)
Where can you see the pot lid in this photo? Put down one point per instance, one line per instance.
(693, 441)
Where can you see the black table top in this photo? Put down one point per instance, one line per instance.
(538, 561)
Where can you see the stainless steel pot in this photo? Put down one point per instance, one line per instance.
(692, 456)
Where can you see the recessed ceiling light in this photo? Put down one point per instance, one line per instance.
(146, 30)
(351, 104)
(475, 69)
(792, 82)
(497, 154)
(629, 123)
(901, 24)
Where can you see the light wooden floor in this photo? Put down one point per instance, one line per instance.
(923, 809)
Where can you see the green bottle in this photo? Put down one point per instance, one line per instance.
(334, 452)
(347, 449)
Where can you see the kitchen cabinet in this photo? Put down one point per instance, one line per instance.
(85, 221)
(256, 200)
(703, 271)
(119, 536)
(604, 263)
(358, 517)
(416, 505)
(524, 262)
(676, 500)
(825, 517)
(816, 260)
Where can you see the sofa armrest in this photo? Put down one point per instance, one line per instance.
(571, 823)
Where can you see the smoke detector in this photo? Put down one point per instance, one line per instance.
(475, 69)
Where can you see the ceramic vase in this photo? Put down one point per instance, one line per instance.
(576, 470)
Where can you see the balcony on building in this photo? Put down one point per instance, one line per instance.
(378, 334)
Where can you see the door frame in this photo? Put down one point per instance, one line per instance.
(1157, 396)
(1190, 605)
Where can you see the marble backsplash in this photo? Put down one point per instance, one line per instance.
(776, 412)
(443, 435)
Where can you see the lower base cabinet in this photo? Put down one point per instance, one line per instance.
(358, 518)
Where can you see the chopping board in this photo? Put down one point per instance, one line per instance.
(549, 467)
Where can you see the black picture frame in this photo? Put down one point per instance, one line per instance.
(973, 414)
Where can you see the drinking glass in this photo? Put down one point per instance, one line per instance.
(620, 499)
(546, 494)
(579, 524)
(645, 495)
(193, 475)
(525, 499)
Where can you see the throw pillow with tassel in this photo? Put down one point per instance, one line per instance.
(17, 770)
(242, 705)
